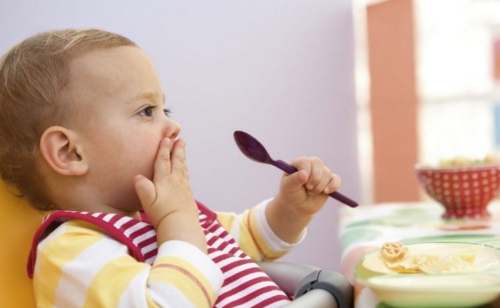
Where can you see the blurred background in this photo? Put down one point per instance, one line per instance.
(427, 88)
(371, 87)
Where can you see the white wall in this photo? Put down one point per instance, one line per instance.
(281, 70)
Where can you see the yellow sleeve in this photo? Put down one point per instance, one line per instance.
(251, 238)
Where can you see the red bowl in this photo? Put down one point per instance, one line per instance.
(465, 192)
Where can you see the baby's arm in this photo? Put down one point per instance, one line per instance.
(253, 234)
(80, 266)
(272, 228)
(301, 195)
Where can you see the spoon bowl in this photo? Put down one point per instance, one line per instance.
(255, 151)
(251, 147)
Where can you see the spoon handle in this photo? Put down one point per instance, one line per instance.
(291, 169)
(284, 166)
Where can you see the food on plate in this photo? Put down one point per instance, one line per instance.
(393, 251)
(401, 259)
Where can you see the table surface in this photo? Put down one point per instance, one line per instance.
(367, 227)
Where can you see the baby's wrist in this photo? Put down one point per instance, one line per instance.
(182, 227)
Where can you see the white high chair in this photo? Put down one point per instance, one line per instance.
(309, 286)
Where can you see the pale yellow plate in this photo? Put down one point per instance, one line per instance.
(478, 287)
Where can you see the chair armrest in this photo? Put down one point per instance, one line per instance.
(288, 276)
(317, 298)
(310, 286)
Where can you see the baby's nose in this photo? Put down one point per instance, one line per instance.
(172, 129)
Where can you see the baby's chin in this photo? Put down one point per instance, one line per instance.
(129, 206)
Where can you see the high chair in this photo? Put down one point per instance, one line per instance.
(309, 286)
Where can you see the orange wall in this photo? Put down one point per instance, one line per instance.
(394, 100)
(496, 59)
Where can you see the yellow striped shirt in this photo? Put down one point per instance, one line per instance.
(79, 265)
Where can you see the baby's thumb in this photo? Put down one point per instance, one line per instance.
(145, 190)
(295, 181)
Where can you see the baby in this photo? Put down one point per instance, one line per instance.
(85, 136)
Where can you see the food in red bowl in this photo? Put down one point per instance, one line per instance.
(464, 190)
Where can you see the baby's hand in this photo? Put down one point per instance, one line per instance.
(170, 191)
(168, 200)
(306, 191)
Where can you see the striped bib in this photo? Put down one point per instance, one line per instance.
(245, 284)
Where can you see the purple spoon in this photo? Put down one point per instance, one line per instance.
(254, 150)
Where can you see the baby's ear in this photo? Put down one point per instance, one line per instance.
(60, 149)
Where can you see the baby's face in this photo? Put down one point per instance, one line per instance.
(120, 121)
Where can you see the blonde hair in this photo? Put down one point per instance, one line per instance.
(32, 75)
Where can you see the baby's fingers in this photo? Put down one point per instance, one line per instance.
(178, 158)
(318, 175)
(319, 181)
(315, 169)
(333, 185)
(163, 163)
(146, 191)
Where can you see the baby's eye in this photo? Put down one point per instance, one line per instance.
(167, 112)
(148, 111)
